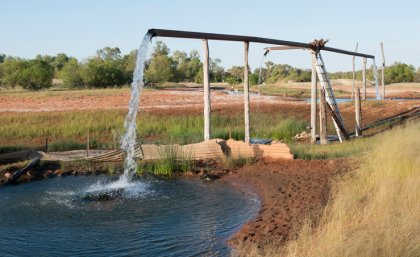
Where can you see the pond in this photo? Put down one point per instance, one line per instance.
(155, 217)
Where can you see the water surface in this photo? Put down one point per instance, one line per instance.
(153, 218)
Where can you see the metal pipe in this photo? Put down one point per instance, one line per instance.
(226, 37)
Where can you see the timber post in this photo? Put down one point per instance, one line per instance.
(364, 78)
(383, 71)
(46, 144)
(246, 94)
(314, 92)
(354, 73)
(206, 84)
(358, 112)
(322, 118)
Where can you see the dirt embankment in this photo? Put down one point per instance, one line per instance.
(291, 190)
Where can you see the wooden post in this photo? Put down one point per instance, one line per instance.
(313, 99)
(358, 110)
(364, 77)
(322, 118)
(246, 94)
(87, 144)
(354, 73)
(46, 145)
(383, 71)
(206, 84)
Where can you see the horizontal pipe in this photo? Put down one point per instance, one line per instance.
(226, 37)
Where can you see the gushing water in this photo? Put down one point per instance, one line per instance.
(129, 139)
(375, 76)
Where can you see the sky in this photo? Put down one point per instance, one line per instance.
(80, 27)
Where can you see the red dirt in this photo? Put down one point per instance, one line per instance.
(291, 190)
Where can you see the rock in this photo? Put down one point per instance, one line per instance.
(7, 175)
(207, 177)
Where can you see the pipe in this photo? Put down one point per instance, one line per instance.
(226, 37)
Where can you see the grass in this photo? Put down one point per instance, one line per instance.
(374, 210)
(349, 148)
(171, 161)
(68, 130)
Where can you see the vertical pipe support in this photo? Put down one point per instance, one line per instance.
(313, 98)
(383, 71)
(246, 94)
(364, 77)
(207, 97)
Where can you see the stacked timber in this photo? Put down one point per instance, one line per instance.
(239, 149)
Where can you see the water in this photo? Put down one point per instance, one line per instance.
(129, 139)
(153, 218)
(375, 76)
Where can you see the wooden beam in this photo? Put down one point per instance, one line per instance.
(358, 111)
(313, 99)
(226, 37)
(383, 70)
(322, 118)
(207, 97)
(246, 94)
(354, 73)
(364, 78)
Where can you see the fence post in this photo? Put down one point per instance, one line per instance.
(358, 113)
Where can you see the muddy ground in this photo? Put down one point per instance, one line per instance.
(290, 190)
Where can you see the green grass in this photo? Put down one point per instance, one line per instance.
(68, 130)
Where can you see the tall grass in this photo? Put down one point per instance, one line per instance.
(374, 211)
(106, 126)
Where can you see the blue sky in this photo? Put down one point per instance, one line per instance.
(80, 27)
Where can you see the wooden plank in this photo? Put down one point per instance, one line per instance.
(313, 99)
(322, 118)
(246, 94)
(206, 84)
(226, 37)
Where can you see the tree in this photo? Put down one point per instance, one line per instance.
(161, 49)
(11, 70)
(399, 72)
(37, 75)
(216, 71)
(59, 61)
(106, 69)
(159, 70)
(417, 77)
(72, 74)
(235, 75)
(2, 58)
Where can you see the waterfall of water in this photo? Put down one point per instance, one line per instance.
(261, 66)
(375, 76)
(129, 139)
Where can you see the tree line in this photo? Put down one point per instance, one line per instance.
(109, 68)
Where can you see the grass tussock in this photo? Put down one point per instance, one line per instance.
(374, 211)
(171, 161)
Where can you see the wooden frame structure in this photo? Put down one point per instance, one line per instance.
(280, 45)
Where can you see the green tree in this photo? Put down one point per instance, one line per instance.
(59, 61)
(399, 72)
(2, 58)
(235, 75)
(72, 74)
(37, 75)
(106, 69)
(216, 71)
(11, 70)
(159, 70)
